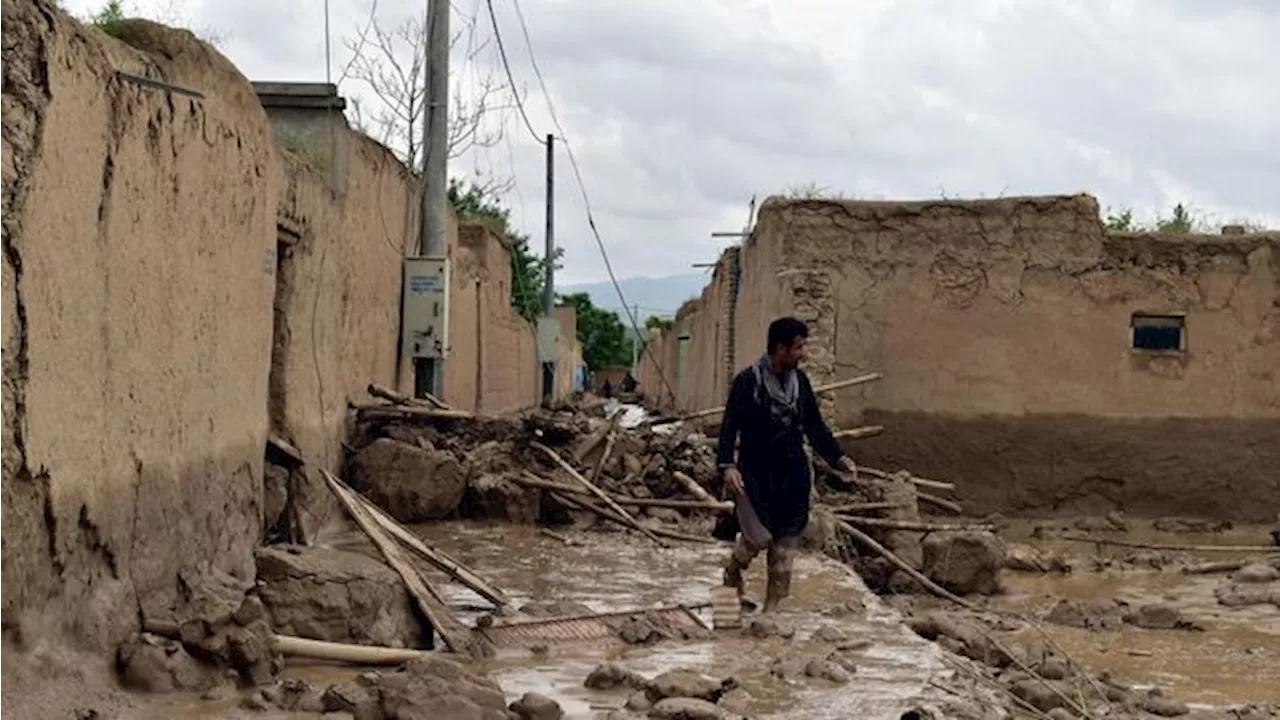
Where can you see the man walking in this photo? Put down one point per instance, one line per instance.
(772, 406)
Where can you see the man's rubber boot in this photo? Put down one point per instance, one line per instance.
(779, 583)
(735, 575)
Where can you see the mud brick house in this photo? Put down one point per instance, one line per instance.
(1038, 360)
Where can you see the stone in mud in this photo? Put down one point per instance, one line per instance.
(1157, 704)
(160, 665)
(1259, 572)
(1088, 615)
(610, 676)
(965, 562)
(1022, 558)
(494, 497)
(830, 633)
(338, 596)
(688, 709)
(639, 702)
(1154, 616)
(361, 702)
(410, 483)
(688, 684)
(827, 670)
(973, 641)
(638, 631)
(1041, 694)
(821, 534)
(788, 668)
(1061, 713)
(767, 626)
(1052, 668)
(1234, 594)
(536, 706)
(435, 688)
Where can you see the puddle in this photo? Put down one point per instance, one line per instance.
(1236, 660)
(618, 572)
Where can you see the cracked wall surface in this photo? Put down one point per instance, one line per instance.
(1002, 328)
(137, 320)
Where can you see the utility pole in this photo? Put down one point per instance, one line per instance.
(635, 339)
(429, 372)
(549, 289)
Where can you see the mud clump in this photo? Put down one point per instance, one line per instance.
(688, 684)
(1182, 525)
(769, 626)
(689, 709)
(535, 706)
(960, 634)
(1157, 704)
(611, 676)
(337, 596)
(965, 563)
(411, 483)
(1022, 558)
(156, 664)
(1160, 617)
(1087, 615)
(497, 497)
(436, 688)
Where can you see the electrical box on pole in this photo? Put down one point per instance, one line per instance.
(426, 307)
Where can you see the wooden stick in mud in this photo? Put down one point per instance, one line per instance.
(344, 652)
(692, 486)
(922, 482)
(441, 560)
(557, 536)
(902, 565)
(429, 400)
(604, 497)
(426, 597)
(598, 437)
(1212, 568)
(604, 456)
(411, 411)
(1072, 705)
(925, 497)
(858, 432)
(921, 526)
(581, 503)
(862, 507)
(1175, 548)
(534, 481)
(870, 377)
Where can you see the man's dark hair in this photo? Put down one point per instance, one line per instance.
(784, 331)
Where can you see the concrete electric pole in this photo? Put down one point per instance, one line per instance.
(549, 288)
(429, 372)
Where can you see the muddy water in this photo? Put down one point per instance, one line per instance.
(1236, 660)
(616, 572)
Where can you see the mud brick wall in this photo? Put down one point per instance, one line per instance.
(1003, 330)
(177, 286)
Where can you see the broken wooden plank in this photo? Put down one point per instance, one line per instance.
(426, 597)
(925, 497)
(441, 560)
(604, 497)
(870, 377)
(920, 526)
(858, 432)
(1164, 546)
(286, 448)
(604, 457)
(862, 507)
(345, 652)
(410, 411)
(580, 502)
(534, 481)
(427, 400)
(922, 482)
(692, 487)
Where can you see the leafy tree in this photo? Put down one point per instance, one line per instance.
(1121, 221)
(109, 18)
(528, 271)
(660, 323)
(605, 340)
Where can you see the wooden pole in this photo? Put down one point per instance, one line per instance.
(858, 432)
(1160, 546)
(535, 482)
(902, 565)
(413, 411)
(870, 377)
(344, 652)
(608, 501)
(921, 526)
(386, 393)
(693, 487)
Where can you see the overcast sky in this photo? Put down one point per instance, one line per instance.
(680, 110)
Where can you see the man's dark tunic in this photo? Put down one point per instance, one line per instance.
(771, 454)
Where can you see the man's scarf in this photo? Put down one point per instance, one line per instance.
(782, 393)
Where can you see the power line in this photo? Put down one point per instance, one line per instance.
(511, 81)
(582, 188)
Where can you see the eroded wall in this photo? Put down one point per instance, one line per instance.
(137, 228)
(1002, 328)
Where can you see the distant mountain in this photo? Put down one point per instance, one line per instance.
(660, 296)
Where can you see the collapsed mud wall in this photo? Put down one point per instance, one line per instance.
(1003, 329)
(137, 320)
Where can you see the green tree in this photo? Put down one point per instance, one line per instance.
(605, 340)
(659, 323)
(528, 271)
(110, 18)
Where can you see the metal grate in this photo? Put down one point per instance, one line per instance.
(672, 621)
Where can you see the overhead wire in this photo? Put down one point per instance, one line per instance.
(582, 189)
(502, 51)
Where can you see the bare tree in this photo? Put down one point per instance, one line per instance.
(392, 65)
